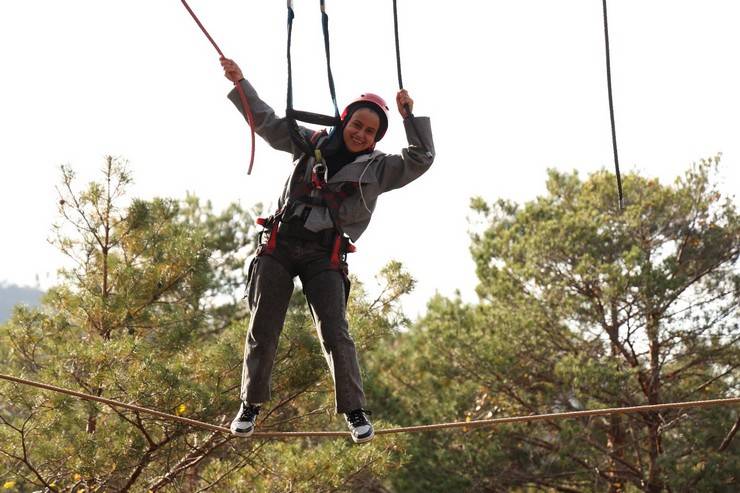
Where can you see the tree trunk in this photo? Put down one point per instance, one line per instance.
(615, 433)
(654, 480)
(92, 417)
(615, 446)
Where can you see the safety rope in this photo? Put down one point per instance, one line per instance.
(405, 429)
(611, 107)
(398, 48)
(242, 96)
(400, 78)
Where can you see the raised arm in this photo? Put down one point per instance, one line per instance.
(397, 170)
(270, 127)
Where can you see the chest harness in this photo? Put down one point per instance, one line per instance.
(308, 187)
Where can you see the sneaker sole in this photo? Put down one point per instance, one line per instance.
(242, 434)
(363, 439)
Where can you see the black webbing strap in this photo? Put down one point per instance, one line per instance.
(294, 115)
(325, 30)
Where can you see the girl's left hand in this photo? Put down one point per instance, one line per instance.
(405, 103)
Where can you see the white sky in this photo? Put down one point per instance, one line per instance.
(513, 87)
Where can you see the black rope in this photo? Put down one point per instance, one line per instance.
(611, 107)
(291, 15)
(400, 78)
(398, 49)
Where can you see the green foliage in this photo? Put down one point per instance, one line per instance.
(581, 306)
(150, 313)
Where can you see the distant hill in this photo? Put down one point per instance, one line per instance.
(11, 295)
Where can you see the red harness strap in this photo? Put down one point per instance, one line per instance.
(336, 252)
(242, 96)
(329, 199)
(272, 241)
(342, 246)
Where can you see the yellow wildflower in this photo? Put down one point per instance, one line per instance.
(9, 485)
(181, 409)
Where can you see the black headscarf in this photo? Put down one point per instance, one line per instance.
(335, 151)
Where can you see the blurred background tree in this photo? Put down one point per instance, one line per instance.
(581, 306)
(149, 312)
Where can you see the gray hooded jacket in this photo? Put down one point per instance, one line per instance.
(374, 172)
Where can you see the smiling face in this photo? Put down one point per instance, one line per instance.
(359, 133)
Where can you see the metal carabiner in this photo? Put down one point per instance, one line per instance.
(320, 174)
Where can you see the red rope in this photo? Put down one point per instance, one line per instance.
(242, 96)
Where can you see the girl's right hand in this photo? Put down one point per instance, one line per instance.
(231, 70)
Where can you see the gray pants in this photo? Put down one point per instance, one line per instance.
(326, 290)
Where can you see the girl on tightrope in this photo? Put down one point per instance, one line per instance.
(327, 202)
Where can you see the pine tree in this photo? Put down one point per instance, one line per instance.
(149, 312)
(583, 306)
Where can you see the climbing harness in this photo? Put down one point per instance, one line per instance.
(292, 115)
(311, 190)
(242, 96)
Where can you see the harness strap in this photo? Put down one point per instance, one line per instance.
(315, 118)
(272, 224)
(293, 115)
(341, 245)
(325, 30)
(336, 251)
(303, 192)
(331, 201)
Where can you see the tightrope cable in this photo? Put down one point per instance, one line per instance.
(404, 429)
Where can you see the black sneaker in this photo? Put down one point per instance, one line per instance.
(243, 424)
(358, 424)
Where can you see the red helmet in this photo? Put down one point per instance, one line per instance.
(372, 101)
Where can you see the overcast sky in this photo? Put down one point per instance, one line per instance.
(512, 87)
